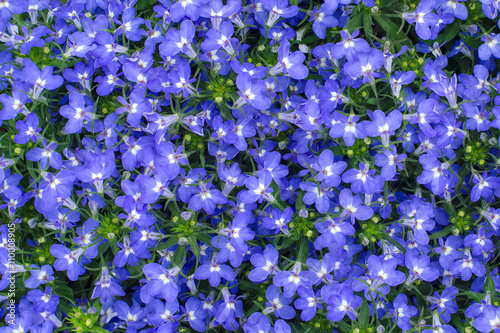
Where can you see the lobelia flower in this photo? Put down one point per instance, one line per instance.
(353, 207)
(490, 47)
(183, 8)
(257, 323)
(479, 242)
(323, 269)
(317, 195)
(278, 221)
(291, 280)
(271, 163)
(9, 185)
(290, 63)
(39, 276)
(308, 302)
(78, 111)
(333, 231)
(390, 162)
(130, 25)
(489, 319)
(57, 187)
(399, 79)
(448, 130)
(168, 159)
(127, 254)
(43, 301)
(81, 74)
(45, 156)
(232, 177)
(419, 268)
(381, 272)
(181, 82)
(483, 187)
(384, 126)
(477, 118)
(195, 314)
(437, 326)
(402, 312)
(107, 287)
(445, 303)
(350, 46)
(230, 309)
(97, 168)
(239, 232)
(132, 316)
(162, 282)
(40, 80)
(137, 106)
(207, 198)
(28, 130)
(347, 128)
(68, 260)
(107, 47)
(217, 38)
(164, 315)
(13, 105)
(252, 92)
(423, 18)
(227, 251)
(278, 9)
(214, 271)
(362, 180)
(278, 303)
(258, 188)
(345, 302)
(434, 173)
(24, 323)
(365, 64)
(477, 83)
(177, 41)
(322, 19)
(86, 238)
(467, 266)
(328, 170)
(108, 82)
(264, 264)
(216, 11)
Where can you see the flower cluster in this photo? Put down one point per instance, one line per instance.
(249, 165)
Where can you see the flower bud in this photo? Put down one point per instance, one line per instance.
(182, 240)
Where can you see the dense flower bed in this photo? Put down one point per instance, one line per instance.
(256, 166)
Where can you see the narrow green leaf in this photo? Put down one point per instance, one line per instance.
(194, 246)
(392, 29)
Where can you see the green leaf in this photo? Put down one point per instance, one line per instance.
(489, 285)
(446, 231)
(179, 256)
(99, 330)
(368, 26)
(457, 320)
(302, 249)
(449, 32)
(169, 243)
(204, 238)
(364, 315)
(355, 20)
(194, 246)
(398, 37)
